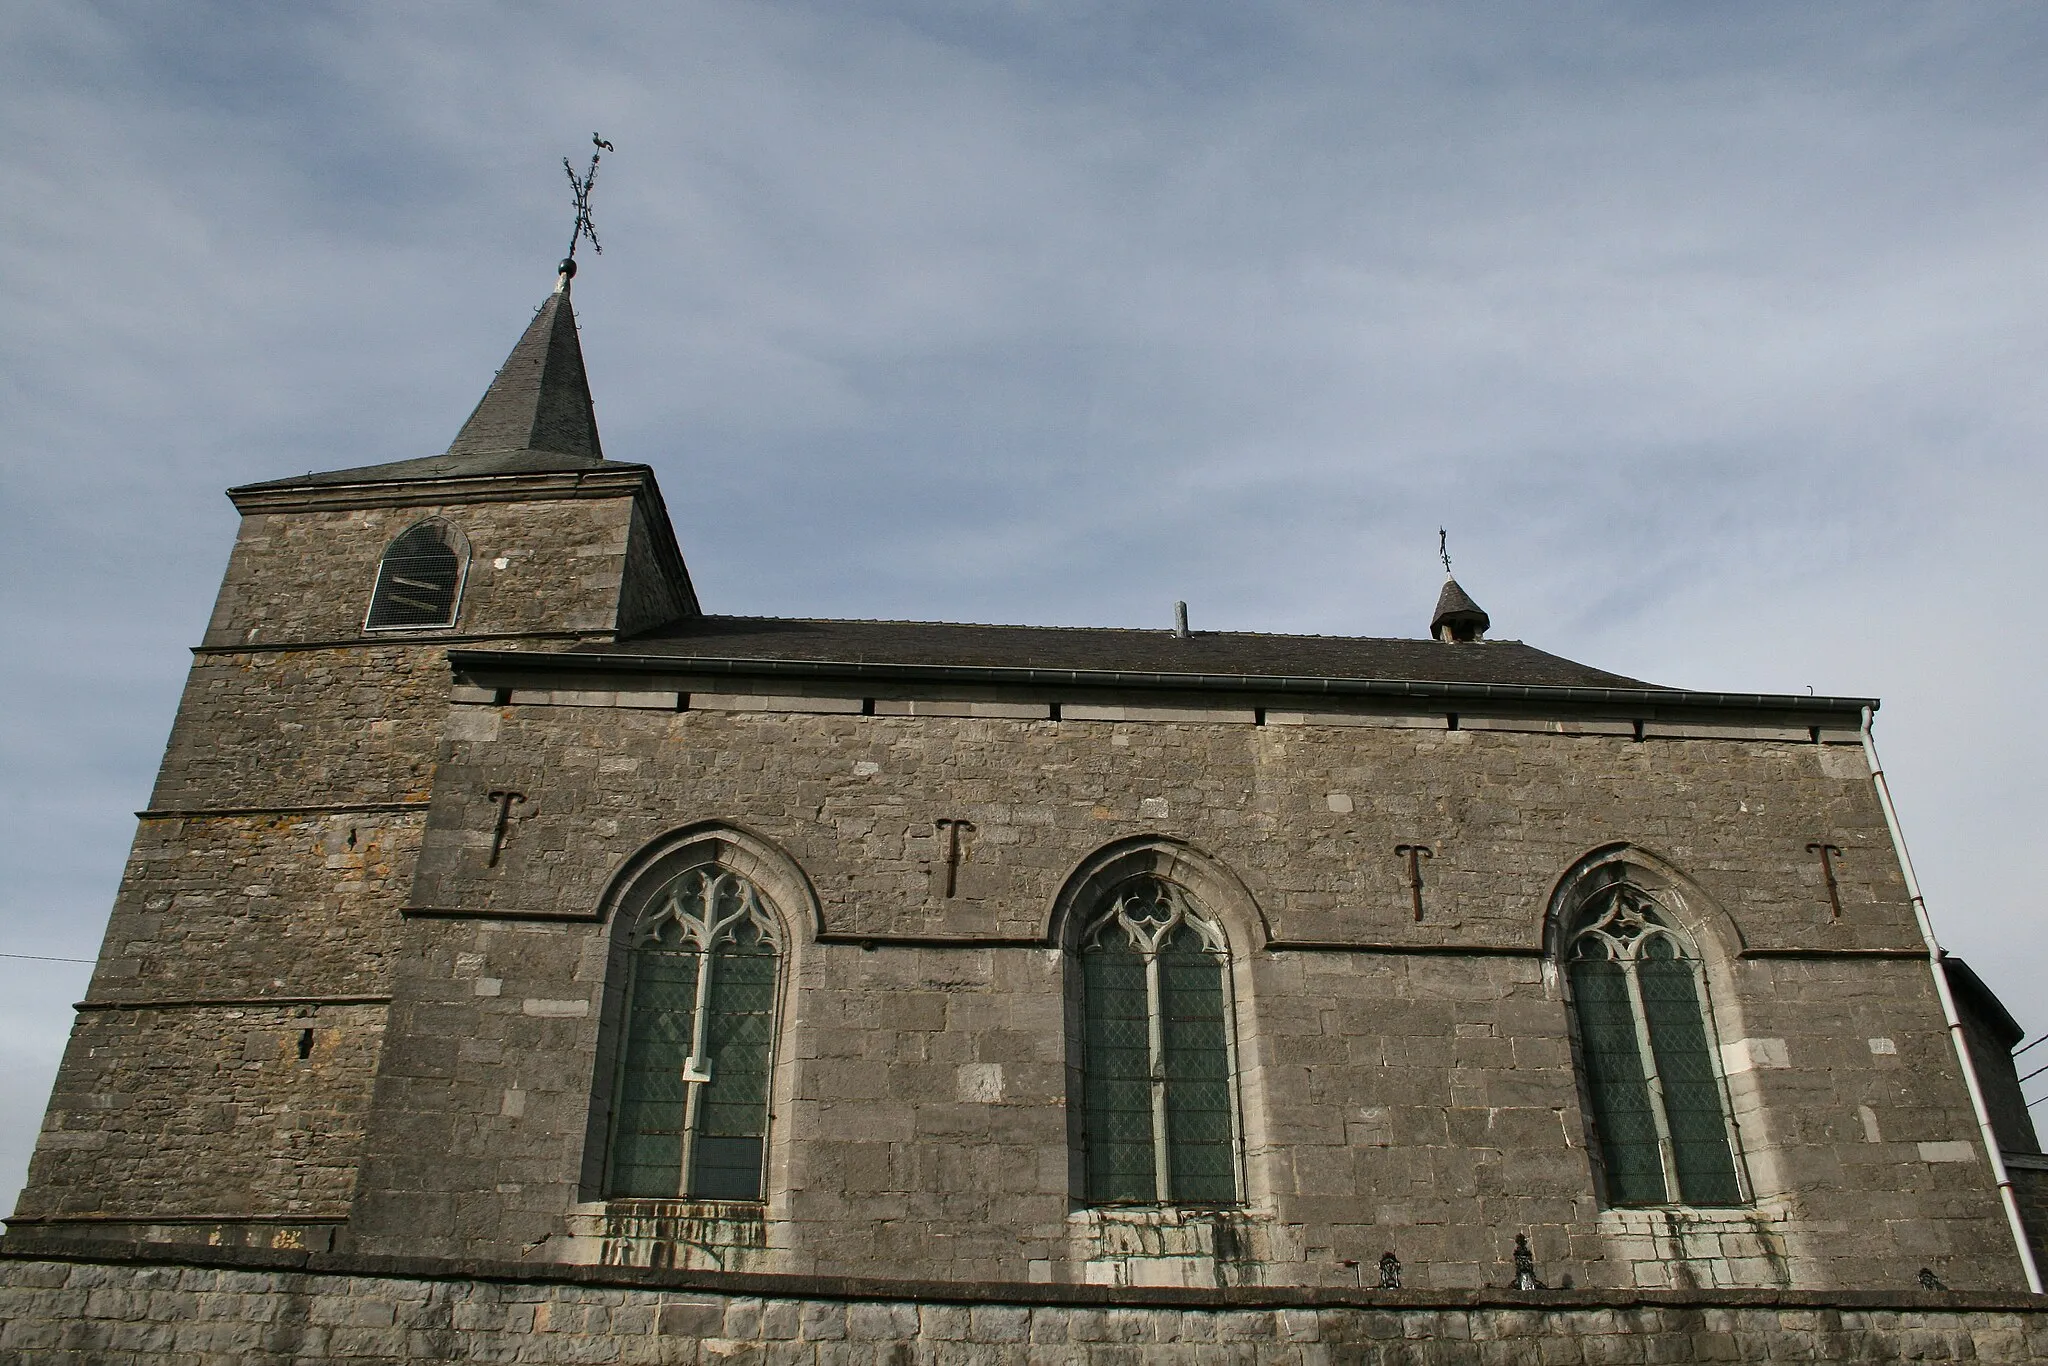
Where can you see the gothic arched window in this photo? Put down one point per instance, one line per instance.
(1159, 1106)
(690, 1104)
(419, 581)
(1647, 1048)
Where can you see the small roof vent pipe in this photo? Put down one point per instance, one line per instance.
(1180, 620)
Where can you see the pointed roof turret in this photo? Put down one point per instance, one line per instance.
(540, 399)
(1458, 618)
(535, 418)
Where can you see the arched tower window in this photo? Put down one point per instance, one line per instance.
(1646, 1044)
(1158, 1085)
(419, 582)
(690, 1103)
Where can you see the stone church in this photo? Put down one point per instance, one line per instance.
(503, 918)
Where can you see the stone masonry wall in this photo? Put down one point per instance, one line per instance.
(208, 1113)
(263, 729)
(1308, 816)
(247, 906)
(307, 576)
(1403, 1084)
(262, 894)
(197, 1311)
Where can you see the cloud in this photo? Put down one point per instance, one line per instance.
(1712, 334)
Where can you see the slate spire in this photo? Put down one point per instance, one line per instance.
(1457, 618)
(540, 400)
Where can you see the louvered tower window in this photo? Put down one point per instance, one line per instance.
(1646, 1045)
(419, 582)
(1158, 1093)
(690, 1116)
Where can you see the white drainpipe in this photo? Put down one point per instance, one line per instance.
(1948, 1011)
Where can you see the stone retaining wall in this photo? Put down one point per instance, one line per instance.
(197, 1307)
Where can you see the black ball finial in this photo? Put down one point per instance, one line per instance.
(567, 269)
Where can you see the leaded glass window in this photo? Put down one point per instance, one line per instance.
(418, 582)
(1645, 1043)
(690, 1116)
(1160, 1112)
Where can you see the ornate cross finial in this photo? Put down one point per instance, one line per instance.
(1443, 538)
(581, 185)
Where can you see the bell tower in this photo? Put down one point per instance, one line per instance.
(218, 1074)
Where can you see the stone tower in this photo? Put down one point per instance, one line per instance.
(220, 1073)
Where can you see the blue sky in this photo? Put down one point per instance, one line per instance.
(1713, 333)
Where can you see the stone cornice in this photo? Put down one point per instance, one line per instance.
(615, 482)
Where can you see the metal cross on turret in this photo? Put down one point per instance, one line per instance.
(1443, 548)
(581, 186)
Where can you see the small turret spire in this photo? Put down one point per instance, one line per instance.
(1458, 618)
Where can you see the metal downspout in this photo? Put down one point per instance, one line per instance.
(1948, 1011)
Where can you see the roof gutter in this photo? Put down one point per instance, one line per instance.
(463, 661)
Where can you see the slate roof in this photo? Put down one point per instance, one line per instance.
(1098, 649)
(535, 418)
(1455, 605)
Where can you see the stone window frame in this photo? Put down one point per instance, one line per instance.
(1694, 930)
(789, 898)
(457, 543)
(706, 913)
(1225, 909)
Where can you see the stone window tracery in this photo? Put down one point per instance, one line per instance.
(1158, 1076)
(1646, 1044)
(690, 1110)
(419, 580)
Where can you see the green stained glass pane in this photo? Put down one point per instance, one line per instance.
(647, 1129)
(1614, 1073)
(1200, 1149)
(732, 1114)
(1116, 1086)
(1692, 1093)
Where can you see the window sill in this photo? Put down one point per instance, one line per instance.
(711, 1235)
(1742, 1210)
(660, 1207)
